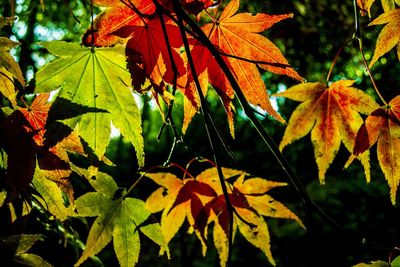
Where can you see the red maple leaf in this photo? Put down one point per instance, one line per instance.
(23, 136)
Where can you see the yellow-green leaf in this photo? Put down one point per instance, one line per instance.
(7, 61)
(95, 78)
(3, 196)
(51, 196)
(7, 87)
(119, 219)
(258, 236)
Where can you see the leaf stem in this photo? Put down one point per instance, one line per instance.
(369, 72)
(328, 77)
(357, 35)
(294, 180)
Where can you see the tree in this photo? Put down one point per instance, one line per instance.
(63, 175)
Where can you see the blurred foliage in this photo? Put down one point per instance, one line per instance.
(367, 222)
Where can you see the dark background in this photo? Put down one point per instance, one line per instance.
(367, 223)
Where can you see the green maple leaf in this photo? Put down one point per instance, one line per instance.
(51, 196)
(96, 78)
(118, 219)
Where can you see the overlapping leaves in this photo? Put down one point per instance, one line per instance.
(389, 37)
(200, 200)
(95, 78)
(118, 218)
(151, 57)
(239, 39)
(382, 126)
(23, 138)
(9, 69)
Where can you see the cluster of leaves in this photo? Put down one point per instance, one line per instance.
(200, 199)
(332, 113)
(152, 46)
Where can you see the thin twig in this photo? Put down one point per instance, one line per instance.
(328, 77)
(257, 62)
(205, 112)
(294, 180)
(357, 35)
(369, 72)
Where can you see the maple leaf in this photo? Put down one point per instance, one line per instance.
(365, 6)
(51, 195)
(116, 15)
(389, 37)
(196, 6)
(201, 201)
(15, 251)
(184, 199)
(149, 42)
(145, 39)
(238, 35)
(382, 126)
(332, 115)
(7, 87)
(208, 71)
(94, 78)
(250, 199)
(23, 136)
(6, 60)
(118, 218)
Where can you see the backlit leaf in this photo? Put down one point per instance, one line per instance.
(201, 201)
(7, 87)
(51, 196)
(389, 37)
(95, 78)
(118, 219)
(238, 35)
(382, 126)
(6, 60)
(332, 115)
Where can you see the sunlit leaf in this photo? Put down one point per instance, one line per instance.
(238, 35)
(201, 201)
(382, 126)
(389, 37)
(95, 78)
(331, 114)
(118, 219)
(51, 196)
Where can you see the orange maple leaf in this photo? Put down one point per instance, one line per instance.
(184, 199)
(148, 53)
(332, 115)
(389, 37)
(201, 201)
(118, 14)
(208, 71)
(382, 126)
(238, 36)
